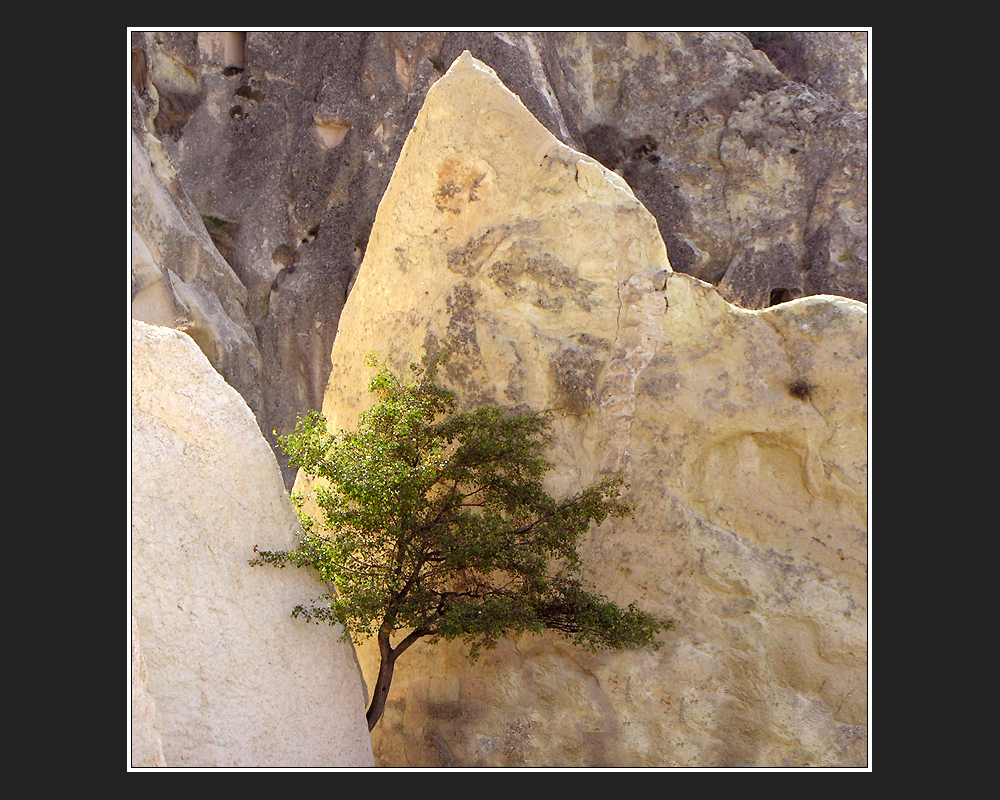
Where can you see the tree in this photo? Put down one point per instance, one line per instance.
(435, 523)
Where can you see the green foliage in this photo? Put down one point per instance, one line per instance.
(436, 522)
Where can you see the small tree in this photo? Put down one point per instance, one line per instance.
(435, 523)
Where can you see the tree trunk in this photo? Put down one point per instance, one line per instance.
(386, 665)
(387, 662)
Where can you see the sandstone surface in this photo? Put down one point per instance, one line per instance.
(743, 435)
(221, 676)
(285, 141)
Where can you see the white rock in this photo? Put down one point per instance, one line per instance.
(232, 681)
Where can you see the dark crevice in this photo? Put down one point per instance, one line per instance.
(785, 50)
(779, 296)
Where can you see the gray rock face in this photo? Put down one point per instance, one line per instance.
(178, 277)
(757, 177)
(758, 183)
(832, 62)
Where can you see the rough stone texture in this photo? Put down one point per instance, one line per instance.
(758, 182)
(222, 676)
(832, 62)
(178, 277)
(147, 749)
(757, 178)
(742, 433)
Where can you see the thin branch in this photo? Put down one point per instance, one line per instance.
(412, 637)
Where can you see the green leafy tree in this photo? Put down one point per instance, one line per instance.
(434, 523)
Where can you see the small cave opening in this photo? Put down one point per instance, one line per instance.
(311, 234)
(780, 296)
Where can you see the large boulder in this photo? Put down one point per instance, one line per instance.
(286, 140)
(221, 676)
(742, 435)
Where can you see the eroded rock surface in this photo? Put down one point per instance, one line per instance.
(179, 279)
(221, 676)
(285, 141)
(742, 433)
(758, 181)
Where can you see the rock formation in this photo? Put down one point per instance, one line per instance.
(758, 182)
(742, 433)
(755, 170)
(221, 676)
(178, 277)
(146, 747)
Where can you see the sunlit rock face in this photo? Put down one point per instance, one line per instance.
(285, 141)
(749, 150)
(743, 435)
(221, 677)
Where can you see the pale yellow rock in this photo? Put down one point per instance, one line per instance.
(222, 677)
(550, 285)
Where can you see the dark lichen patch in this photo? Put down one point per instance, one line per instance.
(660, 380)
(445, 710)
(458, 184)
(443, 195)
(515, 385)
(462, 338)
(543, 300)
(544, 282)
(474, 186)
(469, 259)
(575, 371)
(801, 388)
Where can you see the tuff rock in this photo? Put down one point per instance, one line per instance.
(749, 150)
(758, 182)
(179, 279)
(221, 676)
(743, 435)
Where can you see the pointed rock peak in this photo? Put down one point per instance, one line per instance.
(468, 68)
(467, 61)
(470, 113)
(494, 239)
